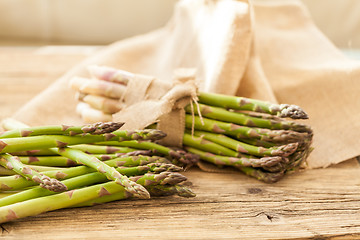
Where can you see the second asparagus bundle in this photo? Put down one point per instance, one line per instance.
(259, 138)
(53, 167)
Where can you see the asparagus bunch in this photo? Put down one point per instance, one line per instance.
(264, 140)
(53, 167)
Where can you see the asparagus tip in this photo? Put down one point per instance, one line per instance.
(155, 134)
(184, 191)
(288, 149)
(273, 177)
(270, 161)
(102, 127)
(292, 111)
(136, 190)
(173, 178)
(52, 184)
(149, 152)
(184, 157)
(146, 134)
(141, 192)
(163, 167)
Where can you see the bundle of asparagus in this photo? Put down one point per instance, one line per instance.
(54, 167)
(247, 134)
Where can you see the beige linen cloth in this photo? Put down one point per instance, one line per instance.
(269, 50)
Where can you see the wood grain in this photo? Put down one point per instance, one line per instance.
(313, 204)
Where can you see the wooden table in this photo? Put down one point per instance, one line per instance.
(314, 204)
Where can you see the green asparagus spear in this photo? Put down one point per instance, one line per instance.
(177, 155)
(221, 114)
(271, 164)
(110, 172)
(8, 172)
(260, 143)
(165, 190)
(88, 148)
(13, 163)
(94, 129)
(52, 161)
(8, 145)
(162, 178)
(267, 177)
(284, 150)
(95, 149)
(209, 146)
(243, 132)
(59, 161)
(242, 103)
(36, 152)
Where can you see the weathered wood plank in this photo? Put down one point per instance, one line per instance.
(312, 204)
